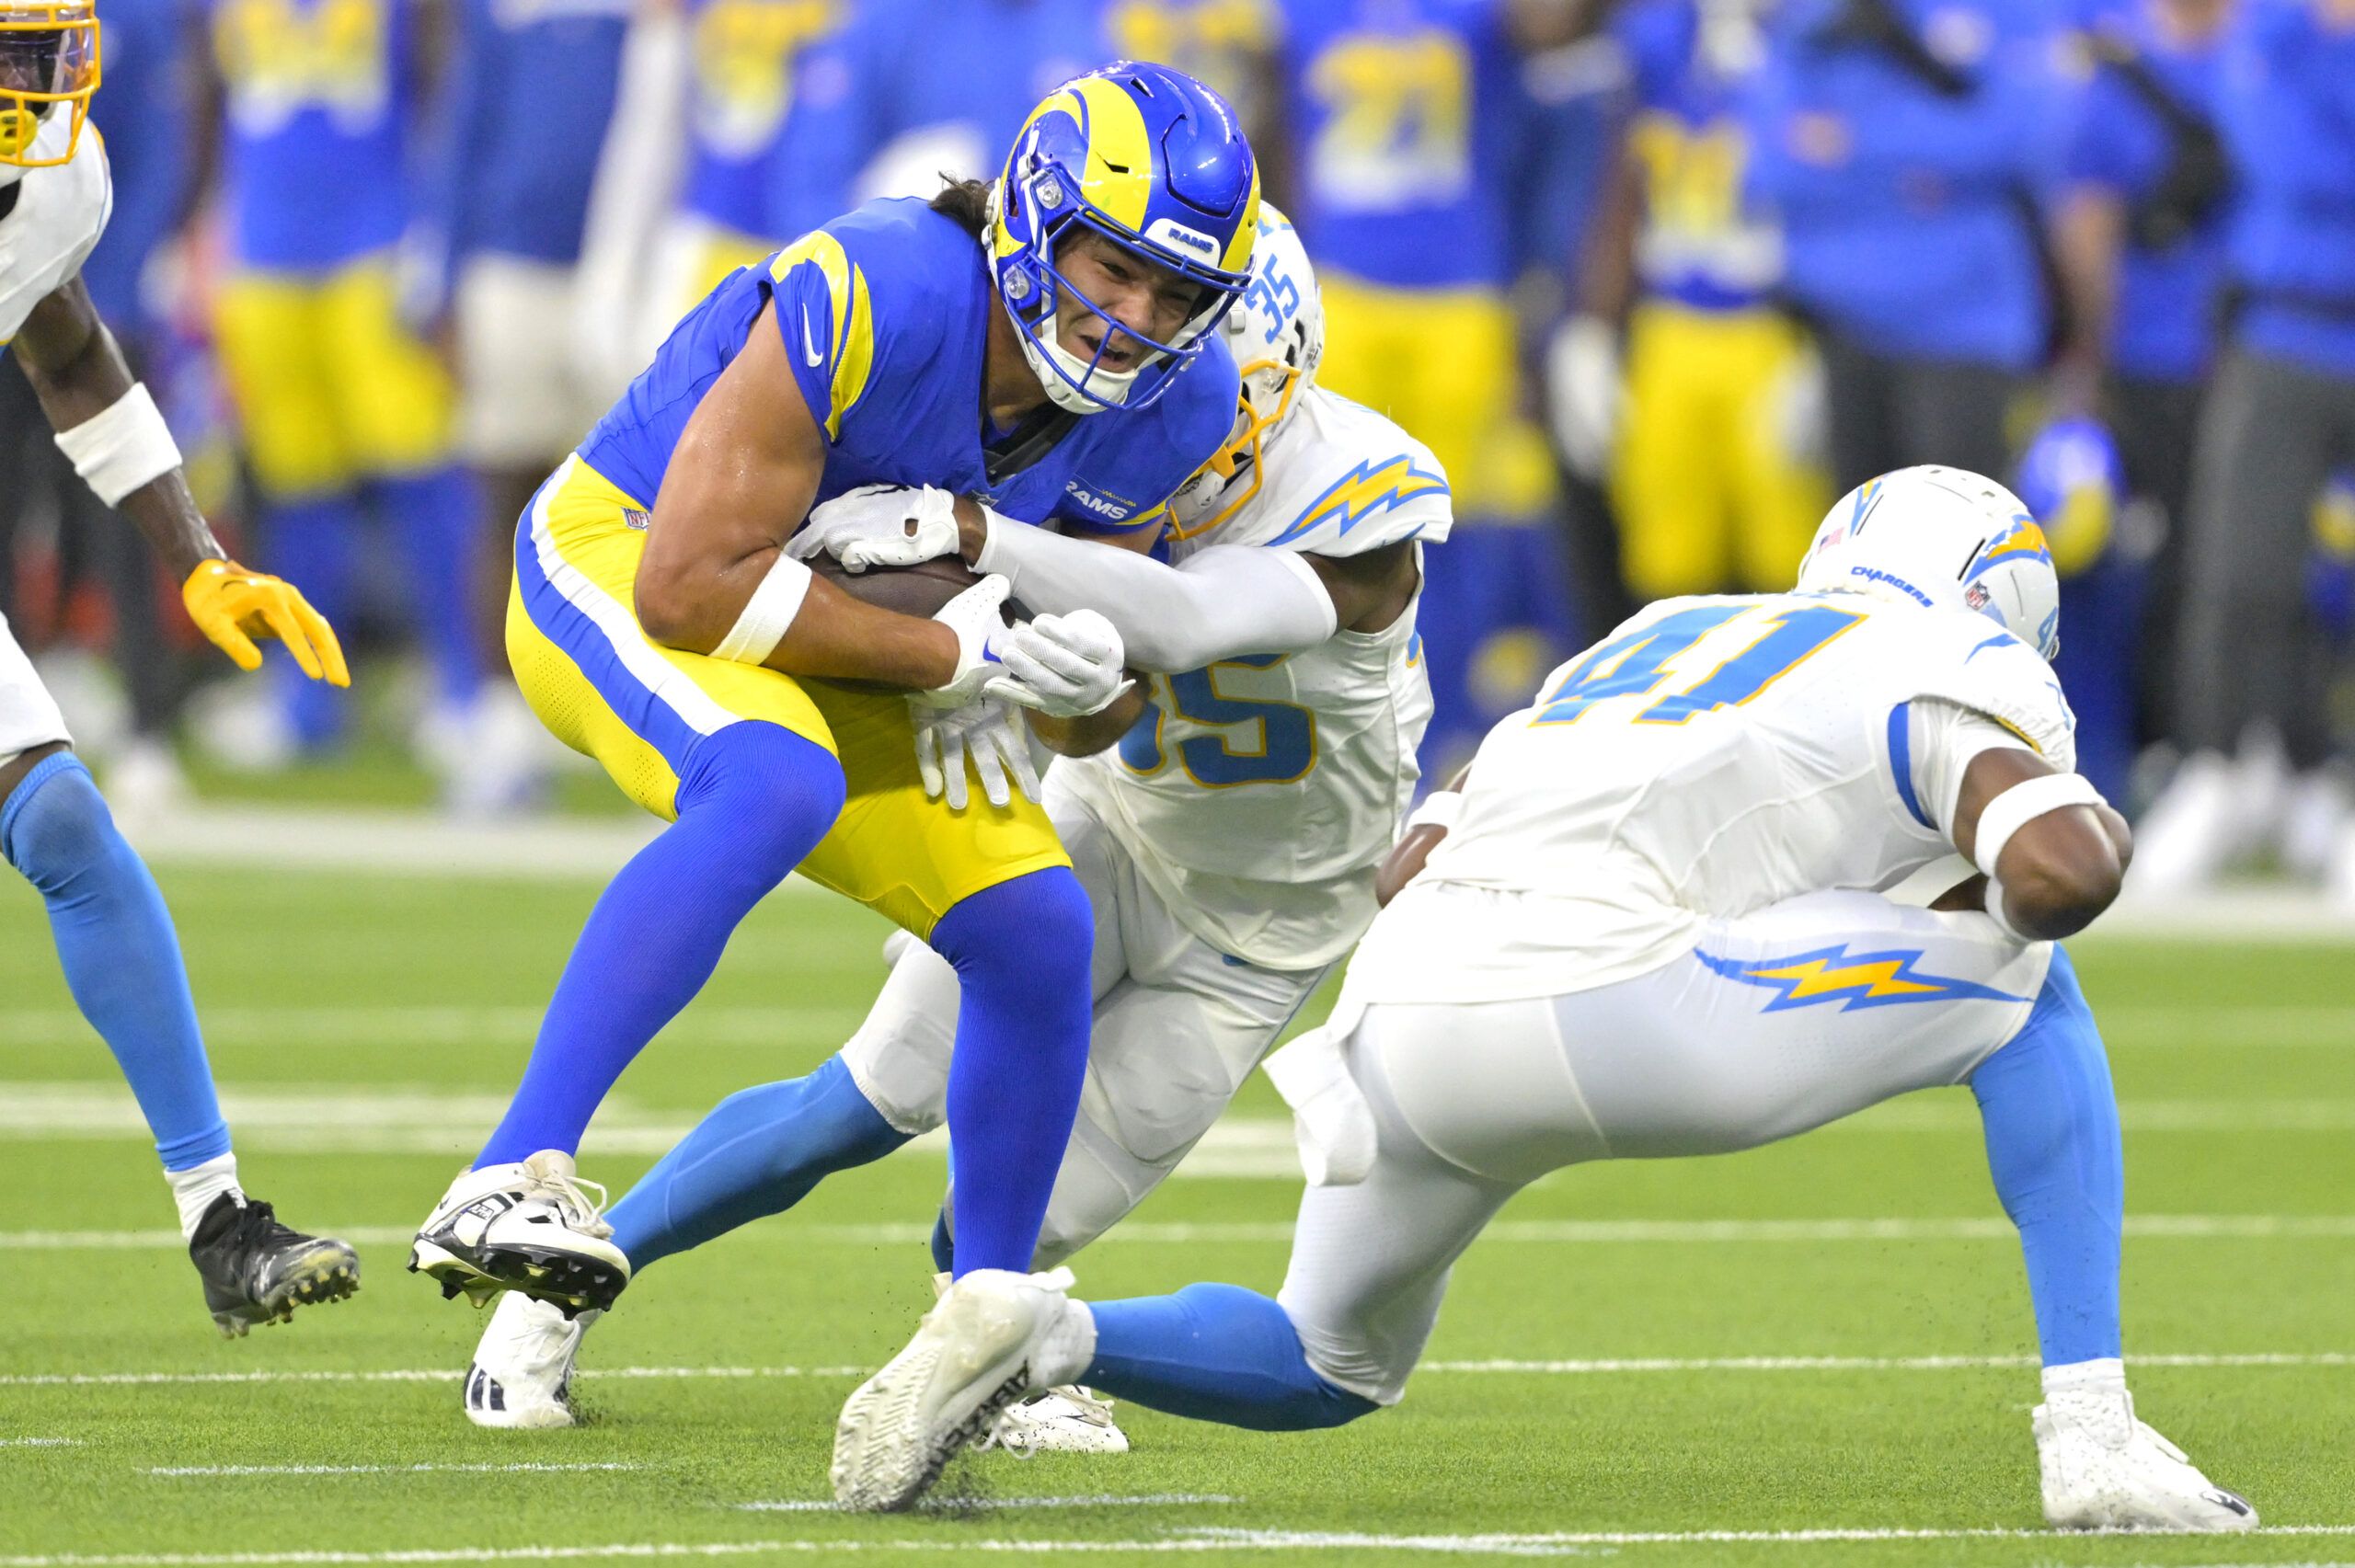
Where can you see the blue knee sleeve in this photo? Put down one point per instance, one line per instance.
(1215, 1353)
(121, 958)
(1021, 950)
(2052, 1147)
(754, 800)
(759, 1152)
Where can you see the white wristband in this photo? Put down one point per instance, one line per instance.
(767, 613)
(1440, 809)
(124, 446)
(2021, 804)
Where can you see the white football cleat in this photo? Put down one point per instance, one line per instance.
(524, 1226)
(2104, 1470)
(2193, 831)
(994, 1337)
(1065, 1420)
(522, 1373)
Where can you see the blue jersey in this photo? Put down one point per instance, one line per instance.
(534, 91)
(1904, 211)
(1701, 245)
(2290, 114)
(1405, 120)
(2163, 327)
(314, 158)
(750, 62)
(884, 314)
(144, 115)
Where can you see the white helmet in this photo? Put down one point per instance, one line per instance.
(1276, 333)
(1942, 537)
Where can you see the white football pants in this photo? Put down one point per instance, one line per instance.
(1178, 1027)
(1777, 1021)
(29, 716)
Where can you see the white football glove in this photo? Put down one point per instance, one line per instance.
(989, 733)
(1583, 393)
(1064, 666)
(879, 525)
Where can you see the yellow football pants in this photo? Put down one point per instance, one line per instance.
(606, 689)
(1708, 495)
(329, 386)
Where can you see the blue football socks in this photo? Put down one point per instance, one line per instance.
(439, 515)
(314, 545)
(1021, 950)
(121, 960)
(759, 1152)
(2052, 1147)
(1215, 1353)
(754, 801)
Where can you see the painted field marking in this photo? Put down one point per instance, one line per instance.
(1559, 1543)
(1566, 1233)
(41, 1442)
(992, 1504)
(520, 1469)
(1601, 1367)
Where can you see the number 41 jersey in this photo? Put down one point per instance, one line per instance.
(1258, 796)
(1711, 757)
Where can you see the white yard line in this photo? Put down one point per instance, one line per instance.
(41, 1442)
(1589, 1367)
(992, 1504)
(520, 1469)
(1546, 1544)
(1544, 1232)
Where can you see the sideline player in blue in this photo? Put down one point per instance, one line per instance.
(1044, 344)
(114, 936)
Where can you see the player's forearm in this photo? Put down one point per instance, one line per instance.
(830, 636)
(1097, 732)
(1226, 601)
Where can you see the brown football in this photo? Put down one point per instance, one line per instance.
(920, 590)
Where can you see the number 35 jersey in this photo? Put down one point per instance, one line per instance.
(54, 224)
(1258, 794)
(1712, 756)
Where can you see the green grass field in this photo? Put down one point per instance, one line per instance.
(1831, 1335)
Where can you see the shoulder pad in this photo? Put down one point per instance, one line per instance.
(1973, 663)
(1342, 480)
(60, 211)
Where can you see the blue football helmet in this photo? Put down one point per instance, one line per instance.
(1153, 160)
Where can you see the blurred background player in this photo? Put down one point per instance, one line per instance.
(1907, 148)
(534, 88)
(2256, 666)
(330, 144)
(114, 936)
(1652, 927)
(1707, 427)
(1405, 146)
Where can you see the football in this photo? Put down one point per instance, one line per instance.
(920, 590)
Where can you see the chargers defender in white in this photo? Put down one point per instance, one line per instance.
(114, 934)
(1660, 925)
(1228, 840)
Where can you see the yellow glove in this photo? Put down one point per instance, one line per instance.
(233, 606)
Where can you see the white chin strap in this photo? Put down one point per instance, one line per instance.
(1111, 386)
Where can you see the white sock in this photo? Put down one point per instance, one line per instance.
(195, 1189)
(2106, 1375)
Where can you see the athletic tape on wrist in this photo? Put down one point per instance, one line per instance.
(2021, 804)
(767, 613)
(990, 559)
(1440, 808)
(128, 445)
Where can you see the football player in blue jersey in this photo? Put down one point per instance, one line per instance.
(1041, 347)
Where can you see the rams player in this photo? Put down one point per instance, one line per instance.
(1659, 926)
(114, 936)
(341, 404)
(1045, 343)
(1227, 842)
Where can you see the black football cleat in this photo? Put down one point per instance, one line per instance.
(257, 1271)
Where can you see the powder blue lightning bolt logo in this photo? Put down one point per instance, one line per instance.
(1365, 490)
(1851, 979)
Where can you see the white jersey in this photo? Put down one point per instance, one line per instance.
(59, 216)
(1712, 757)
(1260, 794)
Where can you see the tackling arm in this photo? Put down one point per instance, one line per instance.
(2056, 869)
